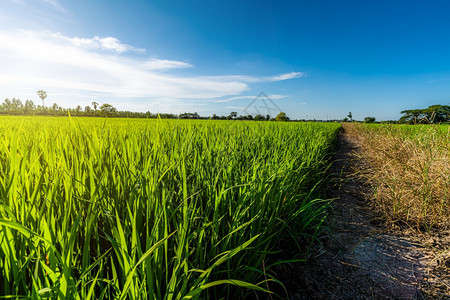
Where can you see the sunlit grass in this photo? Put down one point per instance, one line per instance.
(410, 169)
(152, 209)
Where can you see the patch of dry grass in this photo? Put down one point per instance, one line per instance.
(410, 172)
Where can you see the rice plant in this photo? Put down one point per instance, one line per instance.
(152, 209)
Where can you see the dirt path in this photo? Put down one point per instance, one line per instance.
(358, 257)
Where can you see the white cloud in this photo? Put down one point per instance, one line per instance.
(40, 59)
(97, 43)
(250, 79)
(286, 76)
(164, 64)
(74, 70)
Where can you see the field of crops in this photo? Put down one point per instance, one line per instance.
(410, 171)
(153, 209)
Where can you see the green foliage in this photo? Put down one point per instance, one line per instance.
(154, 209)
(194, 115)
(282, 117)
(432, 114)
(15, 107)
(232, 115)
(259, 117)
(369, 120)
(108, 110)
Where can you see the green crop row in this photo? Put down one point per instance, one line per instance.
(152, 209)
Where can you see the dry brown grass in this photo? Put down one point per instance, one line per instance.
(410, 172)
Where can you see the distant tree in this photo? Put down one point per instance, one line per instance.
(245, 117)
(55, 107)
(88, 110)
(95, 104)
(42, 94)
(411, 116)
(232, 115)
(350, 116)
(108, 110)
(14, 106)
(166, 116)
(345, 119)
(17, 105)
(369, 119)
(259, 117)
(7, 105)
(29, 106)
(438, 113)
(194, 115)
(432, 114)
(281, 117)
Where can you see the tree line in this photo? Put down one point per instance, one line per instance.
(17, 107)
(431, 114)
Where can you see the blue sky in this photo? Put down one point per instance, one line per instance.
(315, 59)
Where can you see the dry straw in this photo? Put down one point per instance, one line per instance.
(410, 171)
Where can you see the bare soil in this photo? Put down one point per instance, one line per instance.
(360, 255)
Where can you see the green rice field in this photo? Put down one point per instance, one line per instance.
(96, 208)
(410, 130)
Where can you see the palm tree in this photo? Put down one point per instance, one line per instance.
(350, 116)
(42, 94)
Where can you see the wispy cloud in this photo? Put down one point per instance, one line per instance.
(74, 67)
(251, 79)
(97, 43)
(164, 64)
(286, 76)
(55, 4)
(40, 59)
